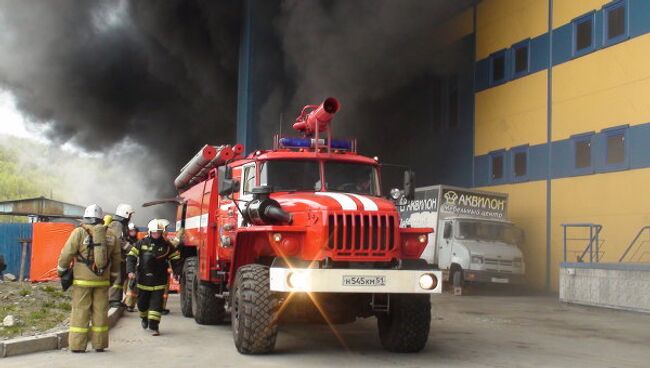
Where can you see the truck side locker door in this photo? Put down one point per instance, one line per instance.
(444, 246)
(248, 182)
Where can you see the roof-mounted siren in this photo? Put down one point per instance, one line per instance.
(317, 118)
(197, 169)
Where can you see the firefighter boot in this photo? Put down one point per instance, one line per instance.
(153, 326)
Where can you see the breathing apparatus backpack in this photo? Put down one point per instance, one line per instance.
(96, 257)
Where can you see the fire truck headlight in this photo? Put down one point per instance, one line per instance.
(277, 237)
(395, 193)
(423, 238)
(428, 281)
(297, 280)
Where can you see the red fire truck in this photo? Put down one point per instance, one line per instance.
(300, 233)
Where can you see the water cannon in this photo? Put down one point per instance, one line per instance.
(316, 118)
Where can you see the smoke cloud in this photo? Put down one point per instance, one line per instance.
(144, 82)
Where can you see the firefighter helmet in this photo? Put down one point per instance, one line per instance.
(155, 226)
(124, 210)
(93, 212)
(164, 223)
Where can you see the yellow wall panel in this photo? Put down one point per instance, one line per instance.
(564, 11)
(603, 89)
(511, 114)
(618, 201)
(527, 209)
(501, 23)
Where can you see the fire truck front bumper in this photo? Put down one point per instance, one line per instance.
(355, 281)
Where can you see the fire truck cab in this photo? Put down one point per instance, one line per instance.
(300, 233)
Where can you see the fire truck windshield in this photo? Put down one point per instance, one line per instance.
(291, 175)
(351, 178)
(304, 175)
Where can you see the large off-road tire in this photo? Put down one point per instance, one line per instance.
(187, 278)
(207, 309)
(253, 309)
(405, 328)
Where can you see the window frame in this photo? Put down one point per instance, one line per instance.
(575, 139)
(614, 131)
(513, 53)
(626, 22)
(591, 16)
(504, 167)
(500, 53)
(513, 152)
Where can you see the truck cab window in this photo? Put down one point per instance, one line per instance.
(291, 175)
(351, 177)
(249, 179)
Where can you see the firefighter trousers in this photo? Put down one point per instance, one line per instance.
(116, 293)
(89, 304)
(150, 304)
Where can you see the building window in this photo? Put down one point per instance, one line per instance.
(615, 22)
(521, 58)
(583, 153)
(615, 148)
(498, 67)
(520, 162)
(583, 34)
(497, 165)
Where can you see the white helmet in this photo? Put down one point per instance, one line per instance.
(155, 225)
(93, 212)
(164, 223)
(132, 226)
(124, 210)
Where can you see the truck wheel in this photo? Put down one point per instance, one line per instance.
(207, 309)
(187, 278)
(254, 327)
(405, 328)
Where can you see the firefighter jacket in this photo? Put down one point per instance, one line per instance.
(149, 259)
(76, 249)
(130, 242)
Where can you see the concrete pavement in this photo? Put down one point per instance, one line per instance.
(469, 331)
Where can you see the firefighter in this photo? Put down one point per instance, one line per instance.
(129, 285)
(150, 257)
(175, 242)
(119, 224)
(95, 253)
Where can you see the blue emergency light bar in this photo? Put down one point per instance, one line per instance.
(336, 144)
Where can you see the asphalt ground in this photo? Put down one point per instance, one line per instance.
(468, 331)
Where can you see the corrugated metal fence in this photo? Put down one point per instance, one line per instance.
(10, 235)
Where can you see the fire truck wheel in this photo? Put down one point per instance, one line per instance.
(253, 310)
(405, 328)
(187, 278)
(207, 309)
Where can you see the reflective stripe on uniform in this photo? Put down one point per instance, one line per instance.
(116, 286)
(152, 288)
(143, 314)
(174, 256)
(154, 315)
(89, 283)
(99, 328)
(134, 252)
(78, 329)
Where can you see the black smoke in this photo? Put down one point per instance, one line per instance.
(161, 73)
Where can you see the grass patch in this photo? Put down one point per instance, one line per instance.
(25, 292)
(49, 289)
(64, 306)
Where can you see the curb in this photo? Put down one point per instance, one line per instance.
(50, 341)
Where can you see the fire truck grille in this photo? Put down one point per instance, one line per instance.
(361, 234)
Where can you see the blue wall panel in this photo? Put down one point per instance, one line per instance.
(539, 53)
(639, 14)
(10, 246)
(537, 162)
(562, 44)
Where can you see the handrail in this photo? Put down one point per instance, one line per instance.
(594, 231)
(638, 235)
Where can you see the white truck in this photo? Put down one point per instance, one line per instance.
(472, 240)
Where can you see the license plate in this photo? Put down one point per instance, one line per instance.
(349, 280)
(500, 281)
